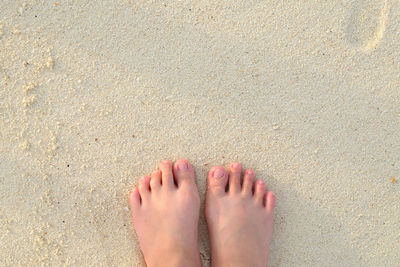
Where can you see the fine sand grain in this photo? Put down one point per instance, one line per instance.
(93, 94)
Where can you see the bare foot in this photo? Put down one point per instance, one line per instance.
(165, 211)
(240, 222)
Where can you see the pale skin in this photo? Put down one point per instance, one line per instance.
(239, 213)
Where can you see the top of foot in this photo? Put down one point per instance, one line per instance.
(165, 210)
(240, 219)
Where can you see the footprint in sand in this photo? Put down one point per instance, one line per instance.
(366, 24)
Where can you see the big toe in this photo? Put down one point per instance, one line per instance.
(270, 202)
(217, 180)
(184, 173)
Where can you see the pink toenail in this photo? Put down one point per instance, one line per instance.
(182, 166)
(235, 165)
(218, 173)
(249, 172)
(260, 182)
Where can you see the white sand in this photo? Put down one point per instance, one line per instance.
(95, 93)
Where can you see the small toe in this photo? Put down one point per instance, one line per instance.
(184, 173)
(134, 200)
(247, 186)
(167, 177)
(217, 180)
(259, 192)
(155, 181)
(235, 171)
(270, 202)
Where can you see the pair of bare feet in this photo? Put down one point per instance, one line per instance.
(165, 209)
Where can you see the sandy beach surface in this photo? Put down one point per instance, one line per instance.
(93, 94)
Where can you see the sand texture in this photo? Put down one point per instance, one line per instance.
(93, 94)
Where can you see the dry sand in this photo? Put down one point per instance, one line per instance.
(95, 93)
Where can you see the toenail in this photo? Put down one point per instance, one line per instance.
(260, 182)
(250, 172)
(182, 166)
(235, 165)
(218, 173)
